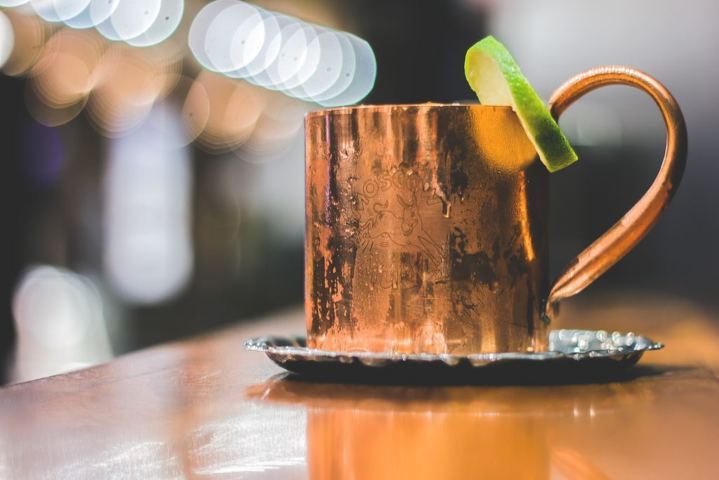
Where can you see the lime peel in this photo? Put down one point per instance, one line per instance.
(495, 77)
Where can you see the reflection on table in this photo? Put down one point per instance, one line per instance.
(205, 408)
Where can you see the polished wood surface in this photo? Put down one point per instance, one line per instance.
(205, 408)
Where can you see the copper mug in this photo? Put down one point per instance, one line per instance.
(426, 225)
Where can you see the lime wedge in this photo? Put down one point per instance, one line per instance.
(495, 77)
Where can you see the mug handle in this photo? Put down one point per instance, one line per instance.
(631, 228)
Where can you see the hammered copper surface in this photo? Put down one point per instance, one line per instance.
(426, 230)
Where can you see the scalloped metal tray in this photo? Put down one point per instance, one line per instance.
(577, 354)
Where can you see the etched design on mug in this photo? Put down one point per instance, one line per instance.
(393, 199)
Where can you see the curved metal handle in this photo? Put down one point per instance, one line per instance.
(631, 228)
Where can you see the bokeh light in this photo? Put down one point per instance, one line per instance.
(140, 23)
(234, 108)
(345, 75)
(167, 21)
(130, 19)
(323, 66)
(128, 83)
(29, 39)
(294, 54)
(234, 37)
(59, 321)
(12, 3)
(58, 10)
(254, 63)
(278, 52)
(198, 30)
(65, 71)
(96, 12)
(276, 128)
(267, 41)
(7, 38)
(192, 110)
(51, 116)
(259, 72)
(365, 72)
(147, 212)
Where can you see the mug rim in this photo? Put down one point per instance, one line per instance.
(404, 106)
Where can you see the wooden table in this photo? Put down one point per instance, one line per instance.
(205, 408)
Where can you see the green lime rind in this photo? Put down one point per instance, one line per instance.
(495, 77)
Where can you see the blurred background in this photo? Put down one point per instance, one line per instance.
(147, 198)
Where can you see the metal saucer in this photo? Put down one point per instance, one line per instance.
(584, 355)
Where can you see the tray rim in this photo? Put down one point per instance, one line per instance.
(295, 352)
